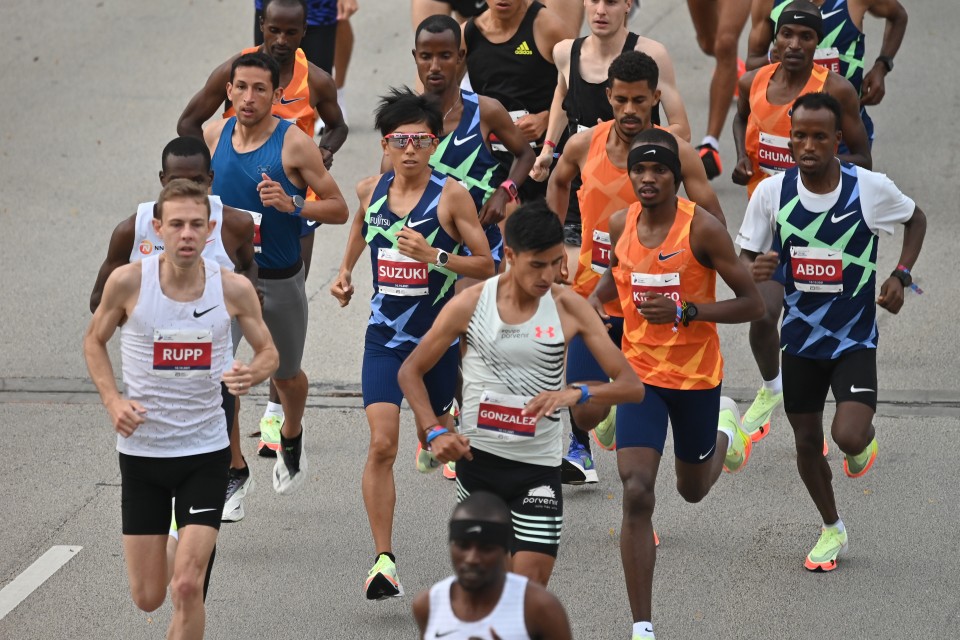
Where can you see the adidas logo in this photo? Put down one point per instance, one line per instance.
(523, 50)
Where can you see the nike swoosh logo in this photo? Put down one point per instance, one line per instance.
(854, 389)
(459, 141)
(285, 101)
(446, 633)
(418, 223)
(704, 456)
(798, 17)
(646, 153)
(193, 511)
(835, 218)
(476, 529)
(197, 314)
(669, 255)
(827, 15)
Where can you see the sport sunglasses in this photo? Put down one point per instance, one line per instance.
(419, 140)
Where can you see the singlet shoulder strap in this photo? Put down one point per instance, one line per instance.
(631, 42)
(575, 59)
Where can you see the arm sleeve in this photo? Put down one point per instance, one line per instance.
(759, 222)
(884, 205)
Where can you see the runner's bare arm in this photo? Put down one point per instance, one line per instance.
(544, 615)
(237, 233)
(695, 181)
(118, 254)
(211, 135)
(914, 230)
(761, 34)
(854, 133)
(669, 94)
(873, 88)
(323, 94)
(302, 158)
(557, 120)
(568, 166)
(243, 303)
(421, 610)
(206, 102)
(499, 124)
(342, 286)
(459, 205)
(744, 170)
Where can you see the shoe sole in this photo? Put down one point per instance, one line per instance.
(449, 474)
(747, 450)
(380, 587)
(575, 476)
(234, 515)
(759, 433)
(237, 500)
(267, 449)
(846, 468)
(824, 567)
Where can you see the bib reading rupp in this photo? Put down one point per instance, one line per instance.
(505, 366)
(606, 189)
(407, 295)
(689, 358)
(828, 269)
(147, 243)
(768, 127)
(174, 354)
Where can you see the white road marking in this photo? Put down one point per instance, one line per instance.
(34, 576)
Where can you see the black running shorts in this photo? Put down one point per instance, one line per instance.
(852, 377)
(533, 492)
(199, 484)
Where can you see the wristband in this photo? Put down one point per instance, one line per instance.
(434, 433)
(550, 143)
(585, 394)
(676, 322)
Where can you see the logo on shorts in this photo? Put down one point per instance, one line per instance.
(544, 491)
(542, 496)
(146, 247)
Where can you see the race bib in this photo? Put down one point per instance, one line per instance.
(829, 58)
(514, 115)
(600, 261)
(665, 284)
(817, 269)
(182, 353)
(501, 415)
(581, 128)
(774, 155)
(398, 275)
(257, 217)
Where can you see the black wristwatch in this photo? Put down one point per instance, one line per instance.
(887, 62)
(903, 276)
(690, 312)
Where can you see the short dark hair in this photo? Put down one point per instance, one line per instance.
(285, 3)
(402, 106)
(438, 24)
(633, 66)
(186, 147)
(655, 135)
(533, 227)
(258, 60)
(182, 189)
(484, 506)
(819, 100)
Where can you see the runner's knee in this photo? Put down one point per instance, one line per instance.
(639, 499)
(148, 595)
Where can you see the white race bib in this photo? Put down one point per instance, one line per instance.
(398, 275)
(817, 269)
(829, 58)
(600, 260)
(514, 115)
(774, 155)
(665, 284)
(501, 415)
(182, 353)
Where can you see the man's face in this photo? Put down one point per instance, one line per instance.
(632, 103)
(535, 271)
(184, 226)
(477, 565)
(605, 17)
(504, 8)
(437, 59)
(252, 94)
(796, 45)
(193, 168)
(814, 139)
(410, 160)
(653, 183)
(283, 28)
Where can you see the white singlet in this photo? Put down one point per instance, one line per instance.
(506, 619)
(173, 355)
(504, 367)
(147, 243)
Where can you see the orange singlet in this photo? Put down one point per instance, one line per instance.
(606, 189)
(689, 358)
(768, 127)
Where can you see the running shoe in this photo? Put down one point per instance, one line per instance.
(382, 581)
(290, 470)
(831, 544)
(174, 533)
(450, 471)
(269, 442)
(426, 461)
(756, 421)
(856, 466)
(656, 539)
(738, 452)
(577, 466)
(710, 157)
(605, 434)
(239, 483)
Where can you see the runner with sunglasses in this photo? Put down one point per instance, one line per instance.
(415, 221)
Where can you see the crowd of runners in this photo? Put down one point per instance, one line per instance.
(534, 265)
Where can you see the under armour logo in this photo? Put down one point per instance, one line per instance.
(539, 331)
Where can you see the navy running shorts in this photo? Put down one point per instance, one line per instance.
(693, 413)
(379, 376)
(852, 377)
(581, 365)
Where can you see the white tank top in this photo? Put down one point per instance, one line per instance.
(173, 355)
(505, 366)
(506, 619)
(147, 243)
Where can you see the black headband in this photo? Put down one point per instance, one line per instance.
(655, 153)
(812, 20)
(482, 531)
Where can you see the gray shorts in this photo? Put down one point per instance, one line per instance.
(285, 313)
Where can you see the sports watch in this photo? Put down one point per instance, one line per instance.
(442, 258)
(887, 61)
(298, 203)
(903, 275)
(690, 312)
(511, 188)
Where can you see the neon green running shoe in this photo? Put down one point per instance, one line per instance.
(174, 533)
(605, 434)
(738, 451)
(269, 442)
(382, 581)
(831, 544)
(756, 421)
(856, 466)
(426, 461)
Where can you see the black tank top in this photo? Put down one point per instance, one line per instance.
(513, 72)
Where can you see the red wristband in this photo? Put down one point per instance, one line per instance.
(550, 143)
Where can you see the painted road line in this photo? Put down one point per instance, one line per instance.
(34, 576)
